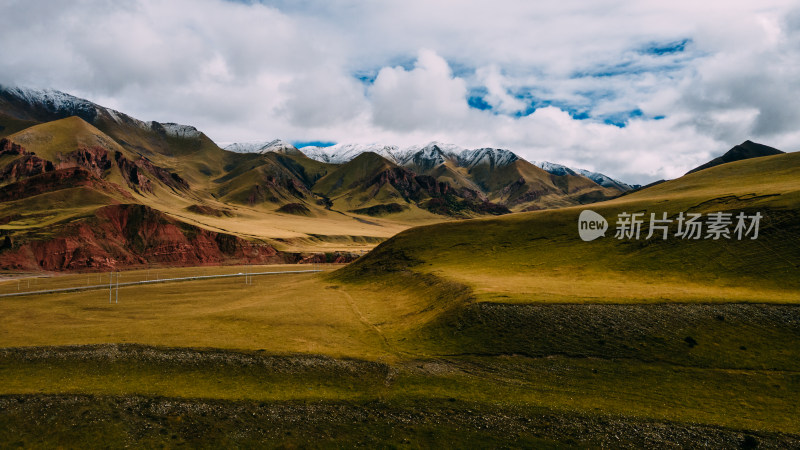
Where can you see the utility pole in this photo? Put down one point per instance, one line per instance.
(110, 278)
(117, 300)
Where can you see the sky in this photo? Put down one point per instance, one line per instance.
(639, 90)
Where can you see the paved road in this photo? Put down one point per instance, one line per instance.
(163, 280)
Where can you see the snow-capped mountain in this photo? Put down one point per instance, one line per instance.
(181, 131)
(276, 145)
(422, 157)
(606, 181)
(342, 153)
(50, 104)
(429, 156)
(495, 157)
(597, 177)
(554, 168)
(52, 101)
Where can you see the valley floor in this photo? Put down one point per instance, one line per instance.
(307, 359)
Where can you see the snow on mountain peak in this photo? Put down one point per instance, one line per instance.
(554, 168)
(276, 145)
(424, 157)
(54, 102)
(604, 180)
(494, 157)
(62, 104)
(342, 153)
(180, 131)
(597, 177)
(51, 99)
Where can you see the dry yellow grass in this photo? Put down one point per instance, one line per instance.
(278, 313)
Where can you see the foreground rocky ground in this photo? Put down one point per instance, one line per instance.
(115, 396)
(55, 420)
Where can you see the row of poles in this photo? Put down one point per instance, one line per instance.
(111, 286)
(114, 277)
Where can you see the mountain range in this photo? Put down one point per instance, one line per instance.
(427, 156)
(83, 186)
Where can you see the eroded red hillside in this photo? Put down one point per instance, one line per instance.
(130, 235)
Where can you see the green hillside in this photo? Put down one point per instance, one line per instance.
(538, 256)
(458, 332)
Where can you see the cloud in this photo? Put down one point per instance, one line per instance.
(744, 92)
(639, 90)
(498, 91)
(426, 97)
(322, 98)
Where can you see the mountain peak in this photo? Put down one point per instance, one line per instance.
(418, 157)
(554, 168)
(275, 145)
(746, 150)
(342, 153)
(177, 130)
(597, 177)
(49, 102)
(279, 146)
(494, 157)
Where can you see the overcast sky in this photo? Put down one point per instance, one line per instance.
(639, 90)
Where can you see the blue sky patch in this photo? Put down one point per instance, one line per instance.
(666, 48)
(301, 144)
(366, 77)
(621, 119)
(478, 102)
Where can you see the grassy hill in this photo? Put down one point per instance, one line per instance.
(455, 332)
(507, 331)
(55, 173)
(372, 183)
(539, 256)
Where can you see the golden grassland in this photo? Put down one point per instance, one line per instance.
(281, 313)
(508, 312)
(539, 257)
(313, 314)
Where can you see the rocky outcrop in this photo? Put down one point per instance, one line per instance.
(438, 197)
(170, 179)
(94, 159)
(10, 148)
(27, 165)
(57, 180)
(133, 176)
(274, 189)
(133, 235)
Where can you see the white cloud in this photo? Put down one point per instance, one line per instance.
(426, 97)
(281, 68)
(497, 86)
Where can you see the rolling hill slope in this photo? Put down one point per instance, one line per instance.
(539, 256)
(745, 150)
(371, 181)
